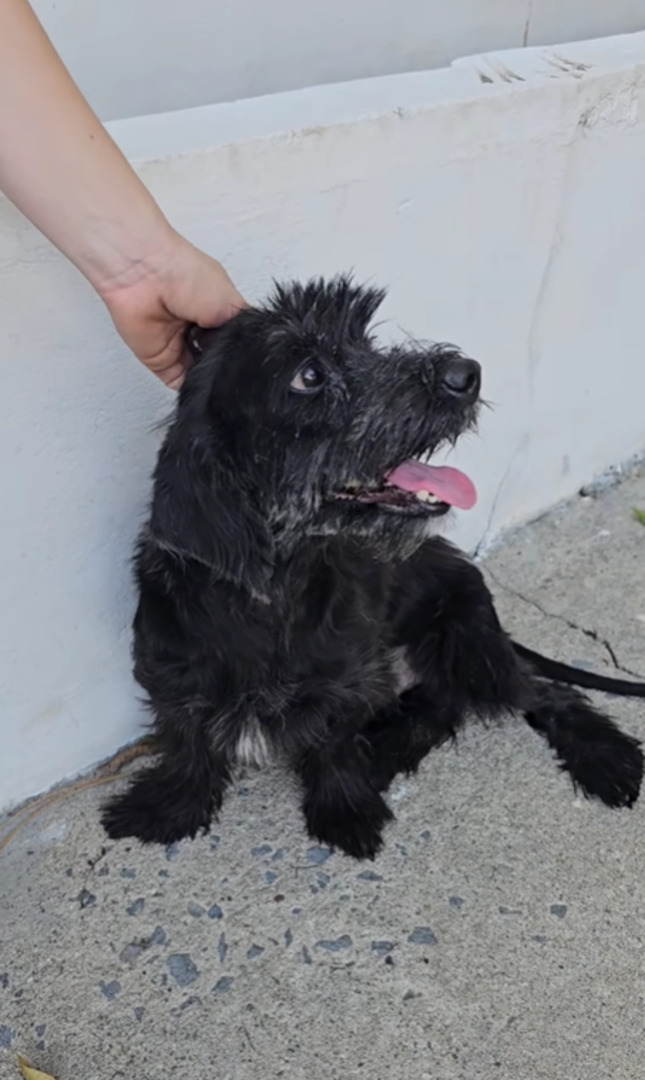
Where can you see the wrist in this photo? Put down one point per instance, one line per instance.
(126, 257)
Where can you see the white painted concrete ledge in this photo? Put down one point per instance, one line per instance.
(501, 200)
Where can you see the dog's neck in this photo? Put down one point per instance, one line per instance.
(188, 556)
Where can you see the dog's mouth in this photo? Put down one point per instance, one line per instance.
(415, 489)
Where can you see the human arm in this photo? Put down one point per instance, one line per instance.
(61, 168)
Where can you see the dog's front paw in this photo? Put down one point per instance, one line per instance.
(147, 813)
(355, 828)
(612, 773)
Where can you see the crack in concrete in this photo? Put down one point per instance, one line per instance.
(482, 544)
(593, 634)
(527, 24)
(539, 305)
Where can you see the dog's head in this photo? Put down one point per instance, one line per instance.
(294, 423)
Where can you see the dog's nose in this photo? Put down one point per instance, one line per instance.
(462, 378)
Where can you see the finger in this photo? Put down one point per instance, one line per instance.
(173, 376)
(170, 371)
(209, 317)
(171, 364)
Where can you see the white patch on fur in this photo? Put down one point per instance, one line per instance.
(252, 746)
(260, 597)
(404, 677)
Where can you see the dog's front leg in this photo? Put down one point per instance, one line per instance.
(178, 796)
(341, 806)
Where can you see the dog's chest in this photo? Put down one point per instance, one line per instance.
(403, 675)
(327, 649)
(253, 744)
(338, 612)
(335, 633)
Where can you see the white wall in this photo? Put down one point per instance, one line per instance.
(173, 54)
(501, 202)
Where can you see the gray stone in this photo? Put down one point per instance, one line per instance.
(335, 945)
(111, 989)
(6, 1036)
(318, 855)
(559, 910)
(422, 935)
(183, 969)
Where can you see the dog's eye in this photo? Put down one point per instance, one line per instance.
(308, 379)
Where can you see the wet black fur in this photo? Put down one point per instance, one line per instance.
(272, 614)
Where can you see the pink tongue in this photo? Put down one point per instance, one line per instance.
(449, 485)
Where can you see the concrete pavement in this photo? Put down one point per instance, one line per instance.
(500, 936)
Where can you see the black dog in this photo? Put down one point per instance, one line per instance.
(292, 597)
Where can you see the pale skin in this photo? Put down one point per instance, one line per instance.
(62, 170)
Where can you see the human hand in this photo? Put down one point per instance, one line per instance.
(154, 303)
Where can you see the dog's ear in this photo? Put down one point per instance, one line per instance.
(198, 340)
(200, 512)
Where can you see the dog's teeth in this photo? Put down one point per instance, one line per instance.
(353, 485)
(426, 497)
